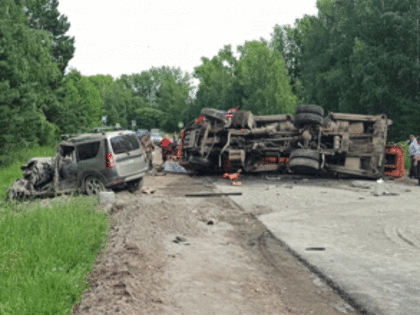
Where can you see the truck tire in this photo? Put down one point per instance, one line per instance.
(311, 109)
(303, 165)
(213, 114)
(305, 153)
(303, 119)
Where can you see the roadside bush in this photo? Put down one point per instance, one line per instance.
(21, 153)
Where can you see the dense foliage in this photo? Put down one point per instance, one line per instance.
(358, 57)
(257, 80)
(354, 56)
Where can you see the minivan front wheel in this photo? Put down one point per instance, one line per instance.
(135, 185)
(93, 186)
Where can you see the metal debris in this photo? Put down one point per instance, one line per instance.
(214, 194)
(173, 168)
(148, 191)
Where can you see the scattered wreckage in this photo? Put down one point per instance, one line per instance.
(307, 142)
(88, 163)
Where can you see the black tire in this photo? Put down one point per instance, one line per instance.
(311, 109)
(135, 185)
(304, 166)
(213, 114)
(307, 119)
(305, 153)
(93, 186)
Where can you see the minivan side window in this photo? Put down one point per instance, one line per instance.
(125, 143)
(88, 150)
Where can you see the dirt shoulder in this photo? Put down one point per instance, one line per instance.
(170, 254)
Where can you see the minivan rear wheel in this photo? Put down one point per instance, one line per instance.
(135, 185)
(93, 186)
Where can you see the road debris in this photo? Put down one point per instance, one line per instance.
(237, 184)
(106, 197)
(180, 239)
(231, 176)
(148, 191)
(361, 185)
(172, 167)
(214, 194)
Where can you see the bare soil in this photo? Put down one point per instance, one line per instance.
(170, 254)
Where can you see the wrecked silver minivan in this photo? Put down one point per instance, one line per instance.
(87, 163)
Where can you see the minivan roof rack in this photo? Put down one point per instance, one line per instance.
(104, 129)
(92, 130)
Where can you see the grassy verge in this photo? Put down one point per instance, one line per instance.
(47, 248)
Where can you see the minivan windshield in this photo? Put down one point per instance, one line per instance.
(124, 143)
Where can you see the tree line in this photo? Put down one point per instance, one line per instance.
(356, 56)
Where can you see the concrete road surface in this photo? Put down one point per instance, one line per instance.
(368, 246)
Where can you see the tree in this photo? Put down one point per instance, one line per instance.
(362, 57)
(160, 96)
(263, 80)
(217, 77)
(256, 81)
(81, 101)
(288, 41)
(44, 15)
(27, 73)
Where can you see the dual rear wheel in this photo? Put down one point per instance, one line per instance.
(308, 115)
(304, 161)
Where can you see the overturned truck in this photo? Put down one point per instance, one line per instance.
(307, 142)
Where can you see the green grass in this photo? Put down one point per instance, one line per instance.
(13, 156)
(47, 247)
(46, 254)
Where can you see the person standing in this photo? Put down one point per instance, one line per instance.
(166, 146)
(414, 152)
(149, 147)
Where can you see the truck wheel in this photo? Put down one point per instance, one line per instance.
(305, 153)
(213, 114)
(93, 186)
(135, 185)
(304, 165)
(312, 109)
(303, 119)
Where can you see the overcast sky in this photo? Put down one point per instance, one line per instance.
(130, 36)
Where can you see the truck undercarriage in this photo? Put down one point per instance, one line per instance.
(307, 142)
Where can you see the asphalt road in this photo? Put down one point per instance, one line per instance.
(366, 246)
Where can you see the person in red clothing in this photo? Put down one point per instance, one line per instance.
(166, 146)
